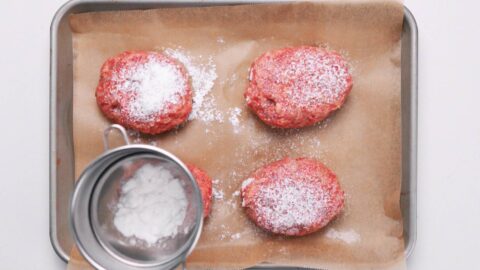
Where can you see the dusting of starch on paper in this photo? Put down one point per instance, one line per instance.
(203, 77)
(234, 118)
(348, 236)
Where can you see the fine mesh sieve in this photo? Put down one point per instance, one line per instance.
(99, 192)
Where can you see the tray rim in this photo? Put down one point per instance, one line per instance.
(412, 23)
(69, 5)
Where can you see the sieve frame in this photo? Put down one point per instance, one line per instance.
(81, 225)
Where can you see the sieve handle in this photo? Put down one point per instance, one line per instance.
(107, 132)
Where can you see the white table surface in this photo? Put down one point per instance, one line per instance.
(449, 135)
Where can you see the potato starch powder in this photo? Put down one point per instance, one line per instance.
(152, 205)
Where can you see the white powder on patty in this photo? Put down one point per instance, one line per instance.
(153, 85)
(308, 76)
(152, 205)
(324, 78)
(287, 204)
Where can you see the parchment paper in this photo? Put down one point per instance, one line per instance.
(361, 142)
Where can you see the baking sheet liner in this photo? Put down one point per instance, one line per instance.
(361, 142)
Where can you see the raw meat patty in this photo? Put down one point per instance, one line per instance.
(292, 197)
(297, 87)
(205, 184)
(146, 91)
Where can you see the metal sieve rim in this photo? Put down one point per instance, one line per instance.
(84, 233)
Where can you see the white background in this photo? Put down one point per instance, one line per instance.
(449, 135)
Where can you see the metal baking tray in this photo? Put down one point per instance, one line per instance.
(62, 177)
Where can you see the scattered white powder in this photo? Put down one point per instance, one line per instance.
(247, 182)
(220, 40)
(218, 194)
(283, 250)
(153, 143)
(233, 201)
(203, 77)
(232, 204)
(152, 85)
(234, 114)
(349, 236)
(225, 232)
(152, 205)
(228, 234)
